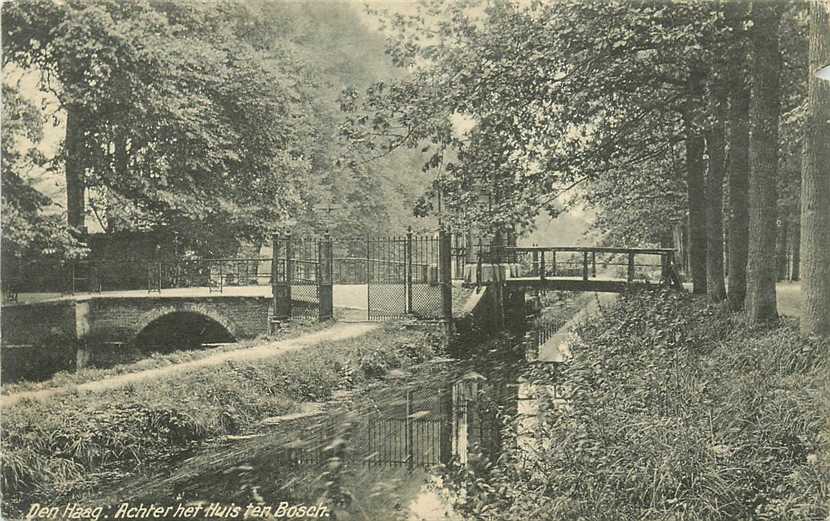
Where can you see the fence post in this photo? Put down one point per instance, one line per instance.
(594, 264)
(542, 267)
(479, 262)
(325, 276)
(535, 256)
(630, 267)
(445, 279)
(410, 439)
(585, 265)
(95, 278)
(408, 260)
(280, 279)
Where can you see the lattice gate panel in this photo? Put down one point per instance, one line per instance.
(425, 295)
(387, 265)
(305, 274)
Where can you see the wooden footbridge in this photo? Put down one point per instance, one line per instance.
(577, 268)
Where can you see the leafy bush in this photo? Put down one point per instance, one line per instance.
(677, 411)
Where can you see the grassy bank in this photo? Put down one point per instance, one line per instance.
(135, 361)
(678, 410)
(53, 446)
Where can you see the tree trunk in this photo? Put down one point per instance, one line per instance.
(714, 202)
(815, 183)
(738, 170)
(763, 151)
(74, 167)
(695, 185)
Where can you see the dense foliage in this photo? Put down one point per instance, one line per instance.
(25, 227)
(628, 107)
(676, 411)
(555, 93)
(166, 108)
(216, 119)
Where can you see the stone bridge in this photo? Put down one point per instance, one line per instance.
(80, 325)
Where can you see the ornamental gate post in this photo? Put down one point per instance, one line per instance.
(445, 278)
(280, 276)
(325, 276)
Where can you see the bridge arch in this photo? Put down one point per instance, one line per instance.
(184, 324)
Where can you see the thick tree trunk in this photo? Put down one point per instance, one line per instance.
(695, 186)
(738, 171)
(763, 151)
(815, 183)
(74, 167)
(714, 203)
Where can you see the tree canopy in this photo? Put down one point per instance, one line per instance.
(215, 119)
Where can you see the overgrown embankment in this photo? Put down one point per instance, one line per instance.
(136, 361)
(55, 447)
(678, 411)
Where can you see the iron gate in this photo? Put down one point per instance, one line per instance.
(412, 431)
(376, 278)
(406, 441)
(399, 275)
(387, 282)
(302, 274)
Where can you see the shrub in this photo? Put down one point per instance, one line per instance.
(678, 411)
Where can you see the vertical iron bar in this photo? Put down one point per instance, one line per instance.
(480, 262)
(289, 274)
(408, 261)
(325, 274)
(594, 264)
(275, 248)
(410, 453)
(368, 279)
(535, 261)
(585, 265)
(630, 267)
(445, 277)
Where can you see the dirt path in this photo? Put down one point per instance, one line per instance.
(337, 332)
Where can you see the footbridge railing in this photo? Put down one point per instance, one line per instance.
(544, 266)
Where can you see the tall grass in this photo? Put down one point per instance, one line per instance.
(48, 446)
(677, 411)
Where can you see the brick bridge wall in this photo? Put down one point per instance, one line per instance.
(121, 319)
(41, 338)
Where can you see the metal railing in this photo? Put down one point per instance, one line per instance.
(214, 274)
(586, 262)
